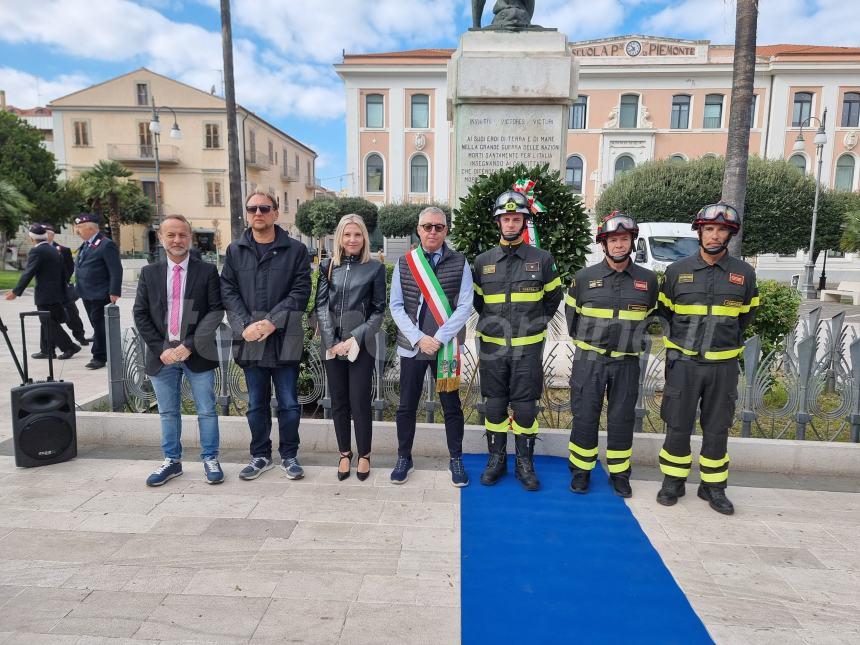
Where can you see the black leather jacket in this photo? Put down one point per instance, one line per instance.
(352, 301)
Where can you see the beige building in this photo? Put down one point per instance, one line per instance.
(111, 120)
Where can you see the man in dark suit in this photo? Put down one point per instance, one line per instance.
(45, 264)
(73, 317)
(98, 280)
(177, 311)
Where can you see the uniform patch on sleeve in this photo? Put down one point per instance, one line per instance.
(736, 278)
(685, 277)
(532, 266)
(640, 285)
(594, 284)
(488, 268)
(637, 307)
(732, 303)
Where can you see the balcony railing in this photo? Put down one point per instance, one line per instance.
(143, 153)
(255, 159)
(290, 174)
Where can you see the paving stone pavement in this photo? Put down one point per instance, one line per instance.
(89, 555)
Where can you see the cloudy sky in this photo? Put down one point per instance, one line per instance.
(285, 49)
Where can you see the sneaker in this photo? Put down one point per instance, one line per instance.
(256, 467)
(166, 471)
(459, 477)
(293, 468)
(212, 469)
(401, 471)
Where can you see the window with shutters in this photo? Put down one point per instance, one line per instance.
(82, 133)
(213, 136)
(213, 193)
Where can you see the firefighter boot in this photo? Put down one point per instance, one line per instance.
(621, 484)
(579, 482)
(497, 444)
(672, 489)
(525, 468)
(716, 498)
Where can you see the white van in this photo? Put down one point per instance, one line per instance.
(659, 244)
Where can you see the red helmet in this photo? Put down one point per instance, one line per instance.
(719, 213)
(614, 222)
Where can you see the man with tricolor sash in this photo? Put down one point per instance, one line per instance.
(607, 309)
(517, 292)
(709, 299)
(431, 299)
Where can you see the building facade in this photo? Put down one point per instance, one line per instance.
(111, 121)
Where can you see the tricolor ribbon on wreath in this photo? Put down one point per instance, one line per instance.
(448, 356)
(527, 188)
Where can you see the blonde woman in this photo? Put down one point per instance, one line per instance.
(350, 306)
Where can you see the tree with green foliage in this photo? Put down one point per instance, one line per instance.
(135, 207)
(564, 230)
(776, 316)
(400, 219)
(849, 205)
(14, 207)
(779, 198)
(103, 186)
(366, 209)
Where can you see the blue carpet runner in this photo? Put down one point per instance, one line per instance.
(554, 567)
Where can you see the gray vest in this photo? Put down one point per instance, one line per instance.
(449, 272)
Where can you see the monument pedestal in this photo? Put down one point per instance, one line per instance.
(509, 100)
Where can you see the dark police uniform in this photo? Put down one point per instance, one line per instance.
(45, 264)
(73, 317)
(708, 308)
(607, 312)
(98, 275)
(517, 292)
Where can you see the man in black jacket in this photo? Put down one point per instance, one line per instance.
(73, 317)
(265, 284)
(177, 311)
(45, 264)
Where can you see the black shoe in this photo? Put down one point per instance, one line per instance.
(341, 475)
(95, 365)
(525, 467)
(497, 466)
(716, 498)
(67, 355)
(621, 485)
(670, 492)
(41, 355)
(83, 342)
(361, 476)
(579, 483)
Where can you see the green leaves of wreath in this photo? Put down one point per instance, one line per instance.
(564, 228)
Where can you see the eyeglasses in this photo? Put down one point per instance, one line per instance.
(433, 227)
(719, 211)
(265, 210)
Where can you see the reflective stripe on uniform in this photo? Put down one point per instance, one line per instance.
(534, 296)
(619, 454)
(670, 345)
(494, 298)
(676, 466)
(552, 285)
(477, 289)
(633, 315)
(683, 461)
(714, 478)
(713, 463)
(583, 465)
(515, 342)
(570, 301)
(585, 452)
(663, 298)
(496, 427)
(518, 429)
(591, 348)
(594, 312)
(722, 310)
(724, 354)
(618, 468)
(695, 310)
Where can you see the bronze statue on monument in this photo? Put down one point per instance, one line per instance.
(509, 15)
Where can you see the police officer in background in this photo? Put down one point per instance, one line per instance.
(607, 307)
(517, 292)
(73, 317)
(709, 300)
(45, 264)
(98, 280)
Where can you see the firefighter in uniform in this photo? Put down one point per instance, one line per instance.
(607, 307)
(709, 299)
(517, 292)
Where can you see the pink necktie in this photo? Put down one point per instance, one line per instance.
(174, 300)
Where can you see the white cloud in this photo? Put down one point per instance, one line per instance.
(820, 22)
(25, 90)
(581, 19)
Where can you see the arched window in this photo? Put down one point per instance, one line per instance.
(802, 108)
(623, 164)
(678, 157)
(844, 173)
(629, 113)
(680, 112)
(573, 174)
(374, 172)
(374, 116)
(713, 111)
(851, 110)
(418, 174)
(799, 162)
(578, 113)
(420, 111)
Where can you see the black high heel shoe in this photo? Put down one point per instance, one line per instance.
(343, 475)
(363, 475)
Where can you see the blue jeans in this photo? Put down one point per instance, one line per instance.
(169, 396)
(259, 381)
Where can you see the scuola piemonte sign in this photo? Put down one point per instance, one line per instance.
(633, 48)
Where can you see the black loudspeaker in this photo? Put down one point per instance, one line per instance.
(43, 423)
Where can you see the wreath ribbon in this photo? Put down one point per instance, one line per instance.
(526, 187)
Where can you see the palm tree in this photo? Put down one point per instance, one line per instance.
(13, 207)
(102, 184)
(738, 144)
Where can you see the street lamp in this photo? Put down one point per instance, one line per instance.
(155, 129)
(807, 290)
